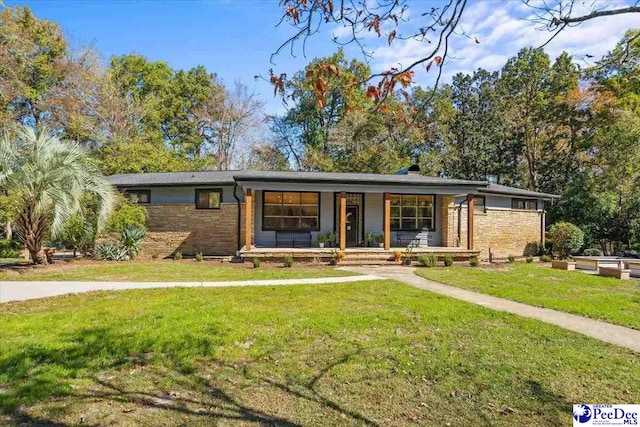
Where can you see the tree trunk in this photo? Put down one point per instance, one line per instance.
(8, 230)
(33, 229)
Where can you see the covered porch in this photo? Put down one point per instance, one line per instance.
(312, 221)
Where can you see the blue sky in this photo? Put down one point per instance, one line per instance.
(235, 38)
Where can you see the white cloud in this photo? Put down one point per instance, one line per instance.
(503, 28)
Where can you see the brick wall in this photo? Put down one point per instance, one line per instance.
(503, 231)
(182, 227)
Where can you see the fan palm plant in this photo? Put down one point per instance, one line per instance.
(50, 178)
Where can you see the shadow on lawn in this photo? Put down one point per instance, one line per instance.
(41, 375)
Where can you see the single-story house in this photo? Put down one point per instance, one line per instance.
(257, 213)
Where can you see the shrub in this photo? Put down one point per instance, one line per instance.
(256, 262)
(155, 255)
(511, 258)
(473, 261)
(10, 248)
(529, 259)
(130, 239)
(126, 214)
(567, 239)
(592, 252)
(546, 258)
(109, 251)
(177, 256)
(199, 256)
(448, 261)
(288, 261)
(397, 255)
(79, 234)
(428, 260)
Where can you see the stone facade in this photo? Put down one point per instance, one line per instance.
(504, 232)
(182, 227)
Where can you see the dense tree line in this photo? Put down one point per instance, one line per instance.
(136, 115)
(537, 123)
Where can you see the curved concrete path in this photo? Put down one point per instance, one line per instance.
(21, 291)
(607, 332)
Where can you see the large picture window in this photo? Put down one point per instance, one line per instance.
(291, 211)
(525, 204)
(208, 198)
(412, 212)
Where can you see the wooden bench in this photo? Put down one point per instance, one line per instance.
(618, 273)
(293, 239)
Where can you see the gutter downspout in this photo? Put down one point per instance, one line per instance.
(238, 219)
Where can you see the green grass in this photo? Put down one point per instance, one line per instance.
(604, 298)
(367, 353)
(164, 271)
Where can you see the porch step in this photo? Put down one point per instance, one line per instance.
(369, 262)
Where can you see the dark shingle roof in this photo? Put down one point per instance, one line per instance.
(352, 178)
(513, 191)
(229, 177)
(172, 178)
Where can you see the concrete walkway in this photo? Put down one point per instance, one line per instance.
(21, 291)
(607, 332)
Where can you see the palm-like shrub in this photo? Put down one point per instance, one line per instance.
(49, 179)
(131, 238)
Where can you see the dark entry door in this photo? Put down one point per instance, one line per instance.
(352, 225)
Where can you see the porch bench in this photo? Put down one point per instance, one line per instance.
(293, 239)
(406, 238)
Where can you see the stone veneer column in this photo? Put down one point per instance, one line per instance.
(248, 217)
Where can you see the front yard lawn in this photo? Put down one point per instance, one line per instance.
(366, 353)
(608, 299)
(164, 271)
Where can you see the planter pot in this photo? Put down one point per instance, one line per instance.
(406, 262)
(381, 245)
(321, 245)
(333, 262)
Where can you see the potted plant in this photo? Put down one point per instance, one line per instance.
(331, 238)
(380, 240)
(321, 239)
(370, 238)
(406, 259)
(336, 257)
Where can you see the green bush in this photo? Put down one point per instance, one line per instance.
(529, 259)
(546, 258)
(10, 248)
(131, 238)
(567, 239)
(473, 261)
(448, 261)
(79, 234)
(256, 262)
(126, 214)
(592, 252)
(199, 256)
(110, 251)
(177, 256)
(288, 261)
(511, 258)
(428, 260)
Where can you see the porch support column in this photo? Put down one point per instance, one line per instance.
(248, 217)
(387, 221)
(343, 220)
(470, 210)
(543, 227)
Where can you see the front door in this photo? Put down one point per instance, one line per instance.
(352, 225)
